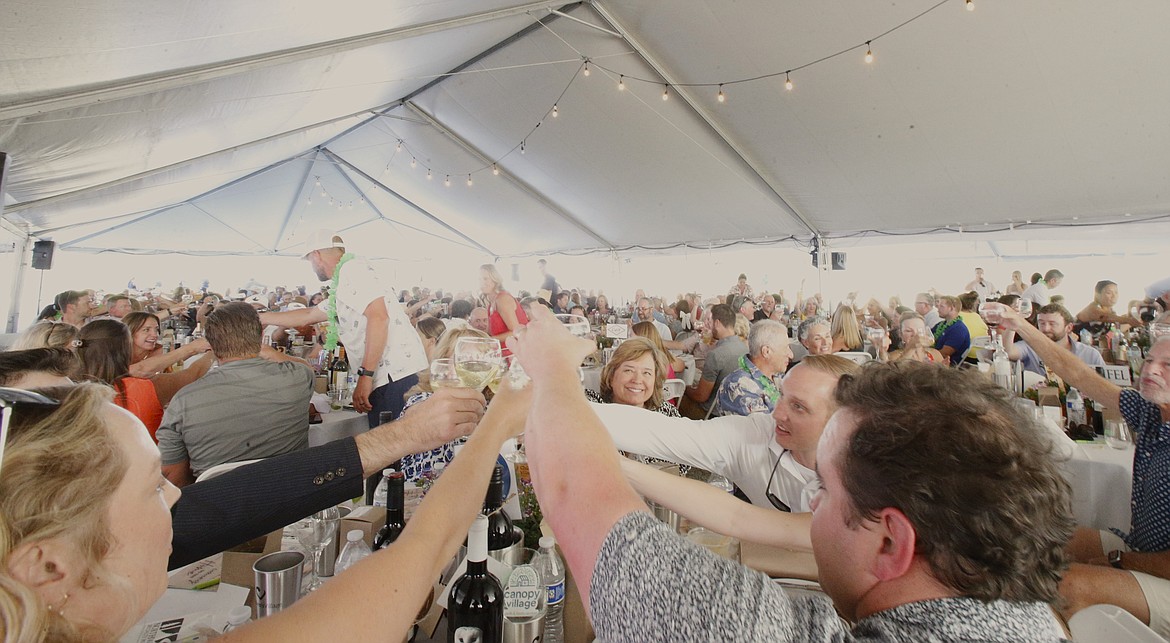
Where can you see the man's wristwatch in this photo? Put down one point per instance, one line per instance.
(1115, 558)
(365, 372)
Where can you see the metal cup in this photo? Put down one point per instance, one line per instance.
(277, 581)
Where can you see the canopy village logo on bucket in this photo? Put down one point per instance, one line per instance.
(524, 594)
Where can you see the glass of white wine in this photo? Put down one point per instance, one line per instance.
(478, 361)
(577, 325)
(443, 374)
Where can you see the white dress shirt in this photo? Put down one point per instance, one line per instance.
(740, 448)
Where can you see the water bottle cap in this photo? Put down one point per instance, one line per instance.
(547, 542)
(353, 535)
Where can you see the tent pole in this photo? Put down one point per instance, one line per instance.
(21, 251)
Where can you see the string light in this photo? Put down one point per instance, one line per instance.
(413, 162)
(522, 143)
(621, 83)
(398, 148)
(585, 71)
(310, 200)
(721, 98)
(468, 180)
(665, 92)
(429, 177)
(556, 110)
(970, 5)
(495, 170)
(787, 82)
(868, 53)
(447, 181)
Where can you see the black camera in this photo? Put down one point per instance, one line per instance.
(1147, 313)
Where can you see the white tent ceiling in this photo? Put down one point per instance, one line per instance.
(208, 127)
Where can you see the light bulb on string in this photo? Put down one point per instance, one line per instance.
(468, 180)
(585, 71)
(522, 143)
(665, 92)
(868, 53)
(787, 82)
(310, 200)
(970, 5)
(447, 181)
(621, 83)
(555, 110)
(720, 97)
(495, 169)
(323, 195)
(398, 148)
(429, 177)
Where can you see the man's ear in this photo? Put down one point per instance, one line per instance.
(44, 564)
(898, 544)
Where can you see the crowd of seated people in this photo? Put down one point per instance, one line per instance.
(801, 432)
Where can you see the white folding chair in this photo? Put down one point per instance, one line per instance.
(672, 390)
(221, 469)
(856, 357)
(1110, 623)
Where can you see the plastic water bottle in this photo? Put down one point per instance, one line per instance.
(1074, 406)
(381, 490)
(238, 617)
(354, 550)
(552, 572)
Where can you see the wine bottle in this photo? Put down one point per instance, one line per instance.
(339, 371)
(475, 608)
(500, 533)
(395, 517)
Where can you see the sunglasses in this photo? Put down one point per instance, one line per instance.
(10, 398)
(776, 502)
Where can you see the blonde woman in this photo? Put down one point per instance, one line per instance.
(845, 330)
(505, 313)
(47, 334)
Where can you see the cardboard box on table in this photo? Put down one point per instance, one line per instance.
(367, 520)
(238, 561)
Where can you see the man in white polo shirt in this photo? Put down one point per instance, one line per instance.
(364, 314)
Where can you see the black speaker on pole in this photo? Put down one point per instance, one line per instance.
(42, 258)
(838, 260)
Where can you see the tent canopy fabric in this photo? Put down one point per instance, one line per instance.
(238, 128)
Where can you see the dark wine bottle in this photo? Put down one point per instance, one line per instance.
(500, 532)
(395, 515)
(475, 608)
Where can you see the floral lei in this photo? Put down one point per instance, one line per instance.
(331, 336)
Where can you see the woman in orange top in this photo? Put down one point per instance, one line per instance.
(104, 356)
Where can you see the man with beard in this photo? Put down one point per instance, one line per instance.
(1056, 323)
(1127, 569)
(365, 315)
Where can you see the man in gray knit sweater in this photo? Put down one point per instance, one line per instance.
(941, 517)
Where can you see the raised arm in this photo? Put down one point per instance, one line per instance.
(718, 510)
(1062, 361)
(380, 597)
(294, 318)
(582, 502)
(160, 362)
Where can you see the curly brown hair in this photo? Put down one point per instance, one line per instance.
(973, 474)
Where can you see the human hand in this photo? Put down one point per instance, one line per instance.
(448, 414)
(546, 349)
(199, 345)
(361, 395)
(509, 407)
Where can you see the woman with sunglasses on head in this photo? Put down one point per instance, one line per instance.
(92, 576)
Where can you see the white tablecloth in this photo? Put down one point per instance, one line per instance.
(1101, 479)
(336, 425)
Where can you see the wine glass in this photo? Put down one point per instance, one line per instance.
(1024, 307)
(317, 533)
(443, 374)
(578, 326)
(478, 360)
(991, 312)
